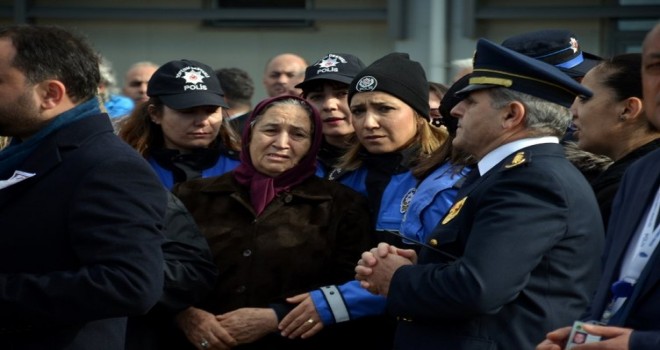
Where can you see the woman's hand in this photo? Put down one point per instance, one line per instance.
(303, 321)
(249, 324)
(203, 330)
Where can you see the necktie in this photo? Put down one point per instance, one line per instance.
(471, 178)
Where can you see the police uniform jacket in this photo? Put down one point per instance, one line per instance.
(173, 167)
(519, 256)
(80, 247)
(388, 183)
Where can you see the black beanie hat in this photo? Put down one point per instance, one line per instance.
(397, 75)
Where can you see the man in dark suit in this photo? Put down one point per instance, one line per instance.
(80, 211)
(628, 296)
(519, 250)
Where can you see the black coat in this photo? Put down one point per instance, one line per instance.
(307, 237)
(80, 248)
(641, 312)
(607, 183)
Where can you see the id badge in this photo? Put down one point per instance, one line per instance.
(580, 336)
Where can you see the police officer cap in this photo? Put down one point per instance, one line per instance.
(497, 66)
(183, 84)
(339, 67)
(557, 47)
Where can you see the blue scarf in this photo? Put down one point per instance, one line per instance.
(13, 155)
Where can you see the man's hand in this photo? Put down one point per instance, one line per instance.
(376, 267)
(614, 338)
(555, 340)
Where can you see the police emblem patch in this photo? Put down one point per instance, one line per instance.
(405, 201)
(455, 209)
(194, 77)
(366, 83)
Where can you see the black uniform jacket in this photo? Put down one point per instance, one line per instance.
(520, 256)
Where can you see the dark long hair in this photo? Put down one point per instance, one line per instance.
(144, 135)
(623, 75)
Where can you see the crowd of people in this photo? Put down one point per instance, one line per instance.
(515, 207)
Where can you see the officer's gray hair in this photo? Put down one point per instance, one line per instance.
(544, 118)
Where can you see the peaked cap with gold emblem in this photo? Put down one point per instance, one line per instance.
(497, 66)
(557, 47)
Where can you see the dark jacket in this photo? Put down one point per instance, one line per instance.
(607, 183)
(80, 248)
(590, 165)
(308, 237)
(189, 275)
(526, 240)
(640, 312)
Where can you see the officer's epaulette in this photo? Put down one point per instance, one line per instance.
(520, 158)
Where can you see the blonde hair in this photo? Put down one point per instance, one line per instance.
(428, 137)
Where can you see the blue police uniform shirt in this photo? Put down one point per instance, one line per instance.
(223, 165)
(350, 300)
(431, 200)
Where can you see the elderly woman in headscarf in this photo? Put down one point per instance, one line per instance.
(275, 230)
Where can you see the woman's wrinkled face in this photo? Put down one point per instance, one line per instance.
(188, 129)
(382, 122)
(280, 138)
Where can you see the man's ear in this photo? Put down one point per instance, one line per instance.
(515, 115)
(51, 93)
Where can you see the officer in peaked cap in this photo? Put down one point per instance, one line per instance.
(513, 263)
(557, 47)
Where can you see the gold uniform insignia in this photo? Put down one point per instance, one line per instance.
(518, 159)
(454, 211)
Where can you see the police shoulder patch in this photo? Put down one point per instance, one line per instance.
(454, 210)
(520, 158)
